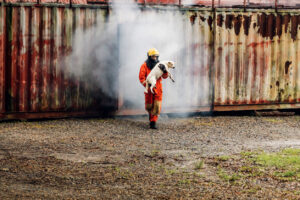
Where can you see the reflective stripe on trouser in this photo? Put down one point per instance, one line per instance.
(153, 105)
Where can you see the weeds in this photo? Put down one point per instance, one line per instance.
(273, 120)
(184, 182)
(286, 163)
(199, 165)
(227, 177)
(223, 158)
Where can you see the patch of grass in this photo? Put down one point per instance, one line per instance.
(199, 165)
(197, 123)
(291, 151)
(227, 177)
(280, 160)
(286, 162)
(123, 173)
(170, 171)
(245, 154)
(160, 168)
(154, 152)
(223, 158)
(99, 120)
(131, 164)
(286, 174)
(273, 120)
(198, 175)
(184, 182)
(251, 171)
(117, 169)
(254, 189)
(297, 192)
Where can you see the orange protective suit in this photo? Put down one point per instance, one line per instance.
(152, 101)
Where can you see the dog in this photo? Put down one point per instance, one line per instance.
(158, 70)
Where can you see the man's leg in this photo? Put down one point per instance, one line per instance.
(155, 111)
(153, 107)
(149, 101)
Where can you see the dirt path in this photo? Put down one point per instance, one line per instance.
(123, 159)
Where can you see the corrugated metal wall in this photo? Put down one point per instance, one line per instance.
(194, 81)
(257, 57)
(34, 78)
(2, 59)
(211, 3)
(249, 59)
(198, 57)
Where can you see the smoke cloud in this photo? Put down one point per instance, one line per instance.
(110, 55)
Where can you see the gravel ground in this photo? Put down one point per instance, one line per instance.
(123, 159)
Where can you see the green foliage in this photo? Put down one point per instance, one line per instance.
(223, 158)
(170, 171)
(199, 165)
(184, 182)
(291, 151)
(246, 154)
(227, 177)
(251, 171)
(286, 174)
(284, 159)
(155, 152)
(286, 162)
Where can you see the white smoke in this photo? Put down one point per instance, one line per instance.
(111, 55)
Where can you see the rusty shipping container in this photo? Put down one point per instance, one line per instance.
(257, 59)
(34, 78)
(241, 58)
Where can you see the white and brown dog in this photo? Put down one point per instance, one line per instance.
(158, 70)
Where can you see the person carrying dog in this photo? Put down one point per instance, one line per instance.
(152, 101)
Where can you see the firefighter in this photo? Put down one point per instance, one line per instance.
(152, 101)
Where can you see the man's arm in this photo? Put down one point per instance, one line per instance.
(142, 75)
(165, 75)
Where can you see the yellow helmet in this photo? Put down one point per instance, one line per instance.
(153, 52)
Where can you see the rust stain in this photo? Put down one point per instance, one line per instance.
(271, 26)
(202, 18)
(210, 22)
(193, 18)
(294, 28)
(237, 24)
(287, 65)
(246, 24)
(261, 23)
(255, 44)
(228, 21)
(279, 25)
(286, 21)
(220, 20)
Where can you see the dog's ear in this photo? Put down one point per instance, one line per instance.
(170, 64)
